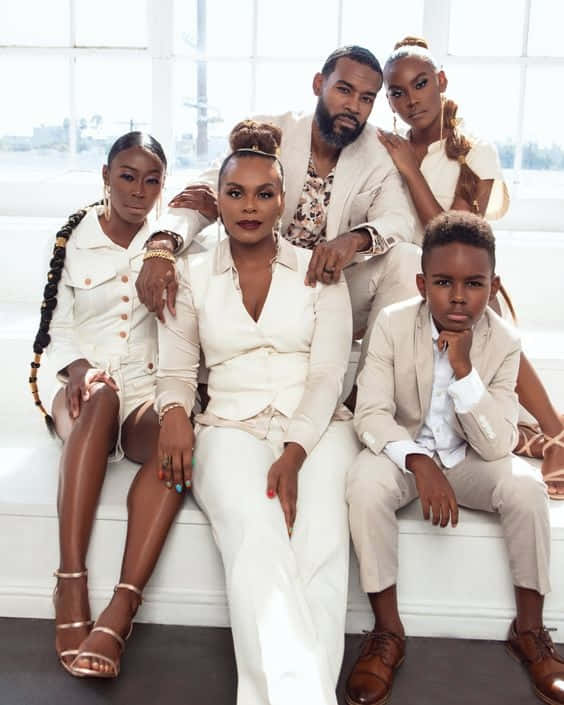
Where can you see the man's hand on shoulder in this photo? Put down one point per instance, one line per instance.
(434, 490)
(329, 258)
(198, 197)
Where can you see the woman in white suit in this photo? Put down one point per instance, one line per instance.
(272, 448)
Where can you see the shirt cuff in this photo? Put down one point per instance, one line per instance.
(378, 245)
(397, 452)
(466, 392)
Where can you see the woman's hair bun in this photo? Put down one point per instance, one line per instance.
(411, 42)
(262, 136)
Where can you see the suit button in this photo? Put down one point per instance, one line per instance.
(125, 298)
(125, 278)
(150, 365)
(124, 316)
(122, 334)
(88, 281)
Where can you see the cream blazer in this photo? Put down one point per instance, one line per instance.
(394, 387)
(367, 189)
(291, 360)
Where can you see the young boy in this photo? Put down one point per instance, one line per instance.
(437, 412)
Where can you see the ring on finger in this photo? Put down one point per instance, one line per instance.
(328, 270)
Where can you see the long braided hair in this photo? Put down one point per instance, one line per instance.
(457, 145)
(57, 263)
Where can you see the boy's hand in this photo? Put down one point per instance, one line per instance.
(457, 344)
(434, 490)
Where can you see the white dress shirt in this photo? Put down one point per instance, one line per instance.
(448, 397)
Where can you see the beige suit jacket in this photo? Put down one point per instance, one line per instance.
(367, 188)
(394, 387)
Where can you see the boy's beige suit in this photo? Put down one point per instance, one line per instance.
(394, 393)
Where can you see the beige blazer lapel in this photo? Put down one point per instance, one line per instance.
(423, 359)
(295, 151)
(478, 356)
(346, 176)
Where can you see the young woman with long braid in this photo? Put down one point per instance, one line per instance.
(443, 169)
(103, 342)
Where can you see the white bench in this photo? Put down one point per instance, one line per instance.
(452, 582)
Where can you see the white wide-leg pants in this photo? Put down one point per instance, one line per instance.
(287, 597)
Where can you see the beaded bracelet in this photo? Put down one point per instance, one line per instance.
(167, 408)
(160, 253)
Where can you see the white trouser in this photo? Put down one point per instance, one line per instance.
(287, 597)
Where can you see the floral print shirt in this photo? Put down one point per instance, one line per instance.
(308, 225)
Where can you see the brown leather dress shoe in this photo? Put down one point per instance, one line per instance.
(538, 655)
(370, 681)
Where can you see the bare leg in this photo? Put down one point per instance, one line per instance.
(88, 441)
(533, 396)
(151, 510)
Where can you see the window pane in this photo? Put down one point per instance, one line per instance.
(109, 23)
(297, 28)
(545, 29)
(285, 86)
(228, 27)
(110, 107)
(203, 119)
(35, 23)
(370, 26)
(486, 28)
(543, 142)
(488, 100)
(34, 127)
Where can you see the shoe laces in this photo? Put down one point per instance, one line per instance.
(542, 641)
(378, 643)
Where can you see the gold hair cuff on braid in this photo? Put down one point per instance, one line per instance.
(160, 253)
(461, 159)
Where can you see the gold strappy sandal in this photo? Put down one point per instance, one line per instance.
(555, 475)
(531, 441)
(62, 655)
(83, 672)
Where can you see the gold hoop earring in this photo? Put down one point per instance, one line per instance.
(443, 101)
(395, 124)
(107, 202)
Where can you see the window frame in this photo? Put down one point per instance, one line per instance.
(549, 212)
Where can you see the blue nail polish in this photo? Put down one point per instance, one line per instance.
(178, 488)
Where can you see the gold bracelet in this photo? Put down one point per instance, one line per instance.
(167, 408)
(160, 253)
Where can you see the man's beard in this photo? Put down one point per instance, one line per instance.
(326, 124)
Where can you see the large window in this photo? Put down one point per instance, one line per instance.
(76, 74)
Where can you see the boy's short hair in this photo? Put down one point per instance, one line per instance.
(354, 52)
(458, 226)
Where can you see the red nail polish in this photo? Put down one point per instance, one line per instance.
(161, 475)
(270, 494)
